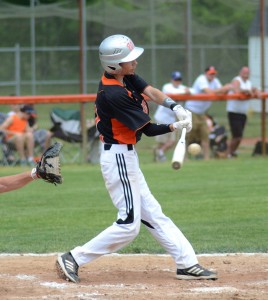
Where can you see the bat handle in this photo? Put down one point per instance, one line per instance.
(179, 152)
(183, 133)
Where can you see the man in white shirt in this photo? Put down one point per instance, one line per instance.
(164, 115)
(206, 83)
(237, 109)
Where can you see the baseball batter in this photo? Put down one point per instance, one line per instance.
(122, 116)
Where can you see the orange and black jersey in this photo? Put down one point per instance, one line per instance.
(121, 111)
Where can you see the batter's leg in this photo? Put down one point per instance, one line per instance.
(164, 230)
(120, 172)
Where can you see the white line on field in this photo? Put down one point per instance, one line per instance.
(215, 289)
(117, 254)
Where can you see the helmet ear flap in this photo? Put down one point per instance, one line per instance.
(111, 68)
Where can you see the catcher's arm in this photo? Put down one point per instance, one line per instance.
(14, 182)
(48, 168)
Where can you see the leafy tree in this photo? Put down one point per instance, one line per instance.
(235, 15)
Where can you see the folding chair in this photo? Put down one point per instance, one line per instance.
(7, 149)
(66, 126)
(218, 140)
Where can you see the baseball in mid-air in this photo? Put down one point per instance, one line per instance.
(194, 149)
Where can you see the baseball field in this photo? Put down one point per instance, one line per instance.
(220, 205)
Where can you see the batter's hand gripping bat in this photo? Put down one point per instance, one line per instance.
(179, 152)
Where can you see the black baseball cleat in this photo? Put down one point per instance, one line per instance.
(194, 273)
(67, 267)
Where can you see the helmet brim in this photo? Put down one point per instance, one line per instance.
(134, 54)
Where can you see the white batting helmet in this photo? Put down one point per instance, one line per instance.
(116, 49)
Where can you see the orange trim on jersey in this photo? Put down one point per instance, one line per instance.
(123, 134)
(97, 118)
(129, 93)
(143, 125)
(112, 81)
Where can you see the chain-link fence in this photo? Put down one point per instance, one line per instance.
(40, 44)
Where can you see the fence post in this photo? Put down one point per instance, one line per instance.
(17, 69)
(82, 23)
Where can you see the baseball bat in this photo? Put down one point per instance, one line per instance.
(179, 152)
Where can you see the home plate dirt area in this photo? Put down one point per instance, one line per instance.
(30, 276)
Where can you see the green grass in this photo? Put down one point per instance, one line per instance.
(220, 205)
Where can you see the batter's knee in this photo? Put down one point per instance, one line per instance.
(132, 229)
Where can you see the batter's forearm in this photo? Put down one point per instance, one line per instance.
(152, 129)
(155, 95)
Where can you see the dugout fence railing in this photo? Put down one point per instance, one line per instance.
(87, 98)
(84, 98)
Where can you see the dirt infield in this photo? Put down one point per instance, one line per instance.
(241, 276)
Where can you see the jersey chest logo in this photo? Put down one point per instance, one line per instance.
(145, 107)
(139, 98)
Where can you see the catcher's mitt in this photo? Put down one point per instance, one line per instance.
(48, 168)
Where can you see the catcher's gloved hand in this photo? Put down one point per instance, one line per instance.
(48, 168)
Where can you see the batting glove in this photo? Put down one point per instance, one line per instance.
(189, 119)
(181, 113)
(181, 124)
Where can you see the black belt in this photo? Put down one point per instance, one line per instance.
(107, 147)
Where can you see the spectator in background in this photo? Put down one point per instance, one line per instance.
(14, 108)
(206, 83)
(237, 109)
(42, 137)
(166, 115)
(217, 138)
(18, 132)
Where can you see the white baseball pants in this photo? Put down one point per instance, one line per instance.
(135, 203)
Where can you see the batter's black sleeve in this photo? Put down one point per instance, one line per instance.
(152, 129)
